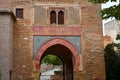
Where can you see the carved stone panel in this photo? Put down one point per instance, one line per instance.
(73, 16)
(40, 15)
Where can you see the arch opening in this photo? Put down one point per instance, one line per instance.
(66, 56)
(65, 51)
(51, 67)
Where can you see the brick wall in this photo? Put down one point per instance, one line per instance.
(107, 40)
(92, 61)
(93, 55)
(6, 41)
(23, 54)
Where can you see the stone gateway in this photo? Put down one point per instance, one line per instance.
(33, 29)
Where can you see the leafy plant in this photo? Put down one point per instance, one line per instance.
(112, 63)
(113, 11)
(52, 59)
(117, 45)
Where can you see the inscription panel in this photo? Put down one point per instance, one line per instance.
(41, 30)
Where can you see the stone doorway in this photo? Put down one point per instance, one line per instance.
(66, 56)
(63, 49)
(51, 68)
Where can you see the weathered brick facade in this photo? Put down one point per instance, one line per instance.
(81, 19)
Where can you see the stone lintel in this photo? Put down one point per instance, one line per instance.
(7, 12)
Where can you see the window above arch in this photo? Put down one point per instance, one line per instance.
(57, 16)
(60, 17)
(52, 17)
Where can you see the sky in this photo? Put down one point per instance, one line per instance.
(106, 5)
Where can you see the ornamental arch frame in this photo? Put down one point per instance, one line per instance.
(60, 41)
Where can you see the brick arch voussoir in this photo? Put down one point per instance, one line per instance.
(62, 42)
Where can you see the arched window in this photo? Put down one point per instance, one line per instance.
(60, 17)
(53, 17)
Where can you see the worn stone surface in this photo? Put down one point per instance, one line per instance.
(73, 15)
(6, 48)
(40, 15)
